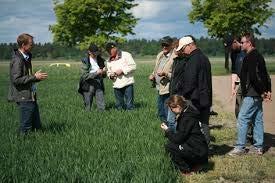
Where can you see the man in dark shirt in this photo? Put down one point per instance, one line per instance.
(256, 87)
(237, 56)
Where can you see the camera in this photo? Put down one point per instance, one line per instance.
(164, 81)
(154, 83)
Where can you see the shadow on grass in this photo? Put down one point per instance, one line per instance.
(219, 149)
(138, 105)
(215, 127)
(55, 128)
(208, 167)
(269, 141)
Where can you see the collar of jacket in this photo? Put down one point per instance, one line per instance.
(197, 50)
(180, 58)
(251, 51)
(118, 56)
(20, 55)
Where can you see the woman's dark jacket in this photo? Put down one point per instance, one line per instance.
(188, 133)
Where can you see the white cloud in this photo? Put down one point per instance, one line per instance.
(17, 25)
(34, 17)
(158, 18)
(148, 9)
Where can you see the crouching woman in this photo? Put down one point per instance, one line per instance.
(187, 146)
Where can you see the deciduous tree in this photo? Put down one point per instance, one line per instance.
(225, 18)
(80, 22)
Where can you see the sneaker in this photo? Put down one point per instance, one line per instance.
(257, 151)
(237, 152)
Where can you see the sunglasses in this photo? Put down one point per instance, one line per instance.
(165, 45)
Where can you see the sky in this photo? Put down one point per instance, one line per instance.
(158, 18)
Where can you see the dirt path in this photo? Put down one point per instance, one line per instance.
(222, 92)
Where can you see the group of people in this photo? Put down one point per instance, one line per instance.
(251, 85)
(191, 88)
(183, 80)
(182, 75)
(22, 90)
(120, 69)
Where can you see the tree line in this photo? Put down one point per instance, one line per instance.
(138, 47)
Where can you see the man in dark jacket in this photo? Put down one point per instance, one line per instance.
(256, 87)
(91, 81)
(22, 84)
(196, 82)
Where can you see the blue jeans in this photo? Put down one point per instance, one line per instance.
(251, 110)
(29, 116)
(162, 107)
(171, 120)
(126, 92)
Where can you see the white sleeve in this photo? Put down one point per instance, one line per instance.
(129, 64)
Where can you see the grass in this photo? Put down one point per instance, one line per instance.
(113, 146)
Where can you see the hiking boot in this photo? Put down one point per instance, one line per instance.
(237, 152)
(257, 151)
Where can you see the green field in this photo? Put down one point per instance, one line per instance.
(112, 146)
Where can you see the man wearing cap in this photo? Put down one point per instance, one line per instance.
(196, 83)
(161, 75)
(120, 69)
(91, 81)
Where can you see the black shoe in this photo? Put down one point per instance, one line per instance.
(213, 113)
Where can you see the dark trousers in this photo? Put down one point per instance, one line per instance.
(204, 119)
(99, 96)
(126, 93)
(29, 116)
(184, 159)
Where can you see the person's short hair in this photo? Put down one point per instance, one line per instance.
(250, 37)
(109, 46)
(175, 100)
(23, 39)
(175, 43)
(237, 38)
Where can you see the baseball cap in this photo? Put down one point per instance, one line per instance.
(109, 46)
(184, 41)
(167, 40)
(93, 48)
